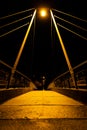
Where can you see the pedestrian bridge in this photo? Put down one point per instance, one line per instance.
(11, 76)
(27, 104)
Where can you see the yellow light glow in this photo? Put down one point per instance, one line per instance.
(43, 13)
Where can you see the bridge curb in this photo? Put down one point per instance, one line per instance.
(6, 94)
(77, 94)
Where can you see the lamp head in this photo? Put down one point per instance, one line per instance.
(43, 12)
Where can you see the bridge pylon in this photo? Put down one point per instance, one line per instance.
(21, 49)
(64, 50)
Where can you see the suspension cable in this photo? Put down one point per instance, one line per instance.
(70, 15)
(72, 31)
(34, 30)
(15, 21)
(51, 36)
(14, 30)
(51, 29)
(71, 23)
(32, 55)
(15, 13)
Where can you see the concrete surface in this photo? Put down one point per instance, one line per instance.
(43, 110)
(6, 94)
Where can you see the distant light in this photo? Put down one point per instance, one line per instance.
(43, 12)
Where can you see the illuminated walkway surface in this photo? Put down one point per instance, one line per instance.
(42, 105)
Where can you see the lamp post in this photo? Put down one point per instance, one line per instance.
(43, 81)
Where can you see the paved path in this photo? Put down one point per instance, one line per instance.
(43, 110)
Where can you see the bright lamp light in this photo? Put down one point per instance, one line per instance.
(43, 12)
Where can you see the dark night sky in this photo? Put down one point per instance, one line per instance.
(42, 54)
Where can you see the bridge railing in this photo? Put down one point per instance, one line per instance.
(65, 81)
(19, 79)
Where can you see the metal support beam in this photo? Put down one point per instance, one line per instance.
(64, 50)
(21, 49)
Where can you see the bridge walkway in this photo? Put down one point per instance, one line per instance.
(43, 110)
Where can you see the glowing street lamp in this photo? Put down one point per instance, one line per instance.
(43, 13)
